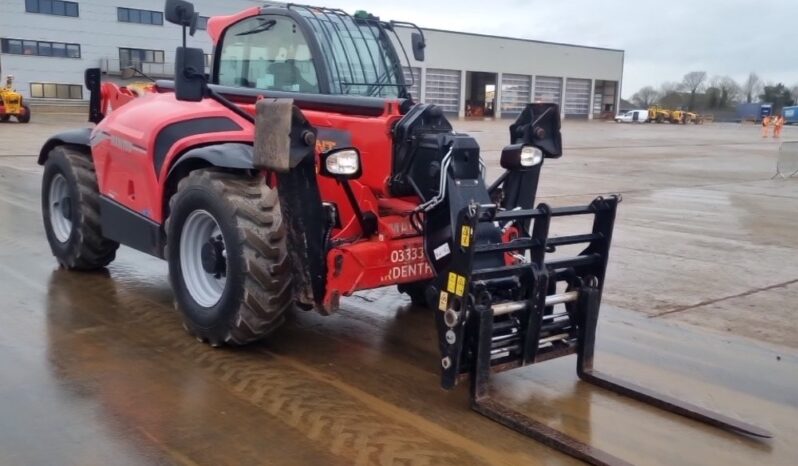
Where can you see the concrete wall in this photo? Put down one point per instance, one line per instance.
(473, 52)
(462, 51)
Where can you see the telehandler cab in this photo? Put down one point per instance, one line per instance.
(302, 171)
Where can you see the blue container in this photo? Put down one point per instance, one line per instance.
(747, 112)
(766, 110)
(790, 115)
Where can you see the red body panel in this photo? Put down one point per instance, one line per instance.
(133, 171)
(217, 24)
(124, 146)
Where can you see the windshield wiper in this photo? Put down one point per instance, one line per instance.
(265, 26)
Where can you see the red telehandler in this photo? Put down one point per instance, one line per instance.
(301, 170)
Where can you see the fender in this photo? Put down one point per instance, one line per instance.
(227, 155)
(75, 137)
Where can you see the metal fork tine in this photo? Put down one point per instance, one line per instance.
(669, 403)
(544, 434)
(589, 302)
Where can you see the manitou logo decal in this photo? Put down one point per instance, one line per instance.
(125, 145)
(330, 138)
(403, 228)
(324, 146)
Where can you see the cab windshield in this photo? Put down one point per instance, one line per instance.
(358, 52)
(271, 52)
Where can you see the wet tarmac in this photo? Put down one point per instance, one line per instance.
(95, 369)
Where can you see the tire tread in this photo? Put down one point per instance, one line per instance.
(268, 291)
(91, 251)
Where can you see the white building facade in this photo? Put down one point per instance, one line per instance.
(47, 45)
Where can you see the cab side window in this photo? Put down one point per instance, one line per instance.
(267, 52)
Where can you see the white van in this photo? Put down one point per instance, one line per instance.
(632, 116)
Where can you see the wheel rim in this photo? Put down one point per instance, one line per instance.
(203, 258)
(60, 208)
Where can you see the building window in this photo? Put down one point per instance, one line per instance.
(132, 15)
(135, 57)
(56, 91)
(202, 23)
(52, 7)
(40, 48)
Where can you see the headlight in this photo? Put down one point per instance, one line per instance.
(531, 156)
(342, 162)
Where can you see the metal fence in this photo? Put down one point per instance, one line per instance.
(787, 163)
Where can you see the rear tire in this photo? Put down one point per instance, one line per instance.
(25, 117)
(228, 259)
(4, 118)
(71, 211)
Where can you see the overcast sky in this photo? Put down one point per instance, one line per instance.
(663, 39)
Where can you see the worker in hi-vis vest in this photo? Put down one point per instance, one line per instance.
(778, 125)
(765, 126)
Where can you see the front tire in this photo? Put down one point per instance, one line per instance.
(71, 211)
(25, 116)
(228, 259)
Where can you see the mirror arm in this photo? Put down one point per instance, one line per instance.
(230, 105)
(411, 25)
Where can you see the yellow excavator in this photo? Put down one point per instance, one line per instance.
(11, 103)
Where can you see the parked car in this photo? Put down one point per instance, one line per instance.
(632, 116)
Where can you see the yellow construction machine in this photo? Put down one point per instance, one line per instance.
(661, 115)
(11, 103)
(685, 117)
(658, 114)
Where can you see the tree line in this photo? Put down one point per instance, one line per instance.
(697, 91)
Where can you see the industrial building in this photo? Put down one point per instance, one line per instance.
(47, 44)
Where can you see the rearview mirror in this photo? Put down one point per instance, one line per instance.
(419, 45)
(190, 74)
(179, 12)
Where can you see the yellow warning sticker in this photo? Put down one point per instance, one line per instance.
(443, 302)
(460, 285)
(451, 285)
(465, 236)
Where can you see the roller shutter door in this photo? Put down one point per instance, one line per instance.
(577, 98)
(516, 93)
(548, 89)
(413, 75)
(443, 89)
